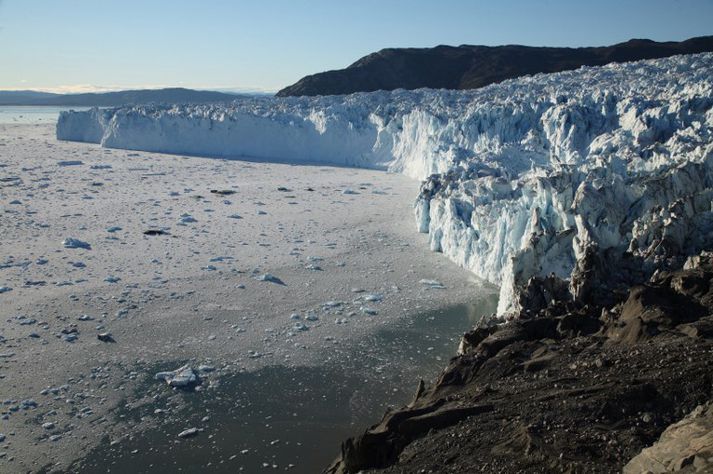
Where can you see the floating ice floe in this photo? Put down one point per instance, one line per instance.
(254, 354)
(432, 284)
(269, 278)
(190, 432)
(300, 327)
(183, 377)
(327, 305)
(105, 337)
(186, 219)
(72, 243)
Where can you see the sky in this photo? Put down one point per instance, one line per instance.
(264, 45)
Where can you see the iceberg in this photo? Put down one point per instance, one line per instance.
(554, 177)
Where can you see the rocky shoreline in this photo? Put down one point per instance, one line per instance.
(574, 385)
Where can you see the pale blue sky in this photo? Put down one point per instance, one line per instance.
(268, 44)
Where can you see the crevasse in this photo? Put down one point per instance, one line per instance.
(520, 179)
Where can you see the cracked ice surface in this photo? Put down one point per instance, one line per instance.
(521, 178)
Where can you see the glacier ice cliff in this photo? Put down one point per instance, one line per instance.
(535, 184)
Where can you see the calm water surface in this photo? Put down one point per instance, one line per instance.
(289, 418)
(10, 114)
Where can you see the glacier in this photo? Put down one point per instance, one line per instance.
(534, 184)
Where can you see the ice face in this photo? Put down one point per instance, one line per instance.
(521, 179)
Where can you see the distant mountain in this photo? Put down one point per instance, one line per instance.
(113, 99)
(471, 67)
(21, 97)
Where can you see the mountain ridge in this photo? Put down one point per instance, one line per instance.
(472, 66)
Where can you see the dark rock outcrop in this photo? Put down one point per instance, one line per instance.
(686, 446)
(571, 387)
(471, 67)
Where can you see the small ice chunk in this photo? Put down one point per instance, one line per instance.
(300, 327)
(269, 278)
(331, 304)
(183, 377)
(72, 243)
(187, 219)
(432, 284)
(188, 433)
(374, 297)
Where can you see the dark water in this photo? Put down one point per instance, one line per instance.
(290, 418)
